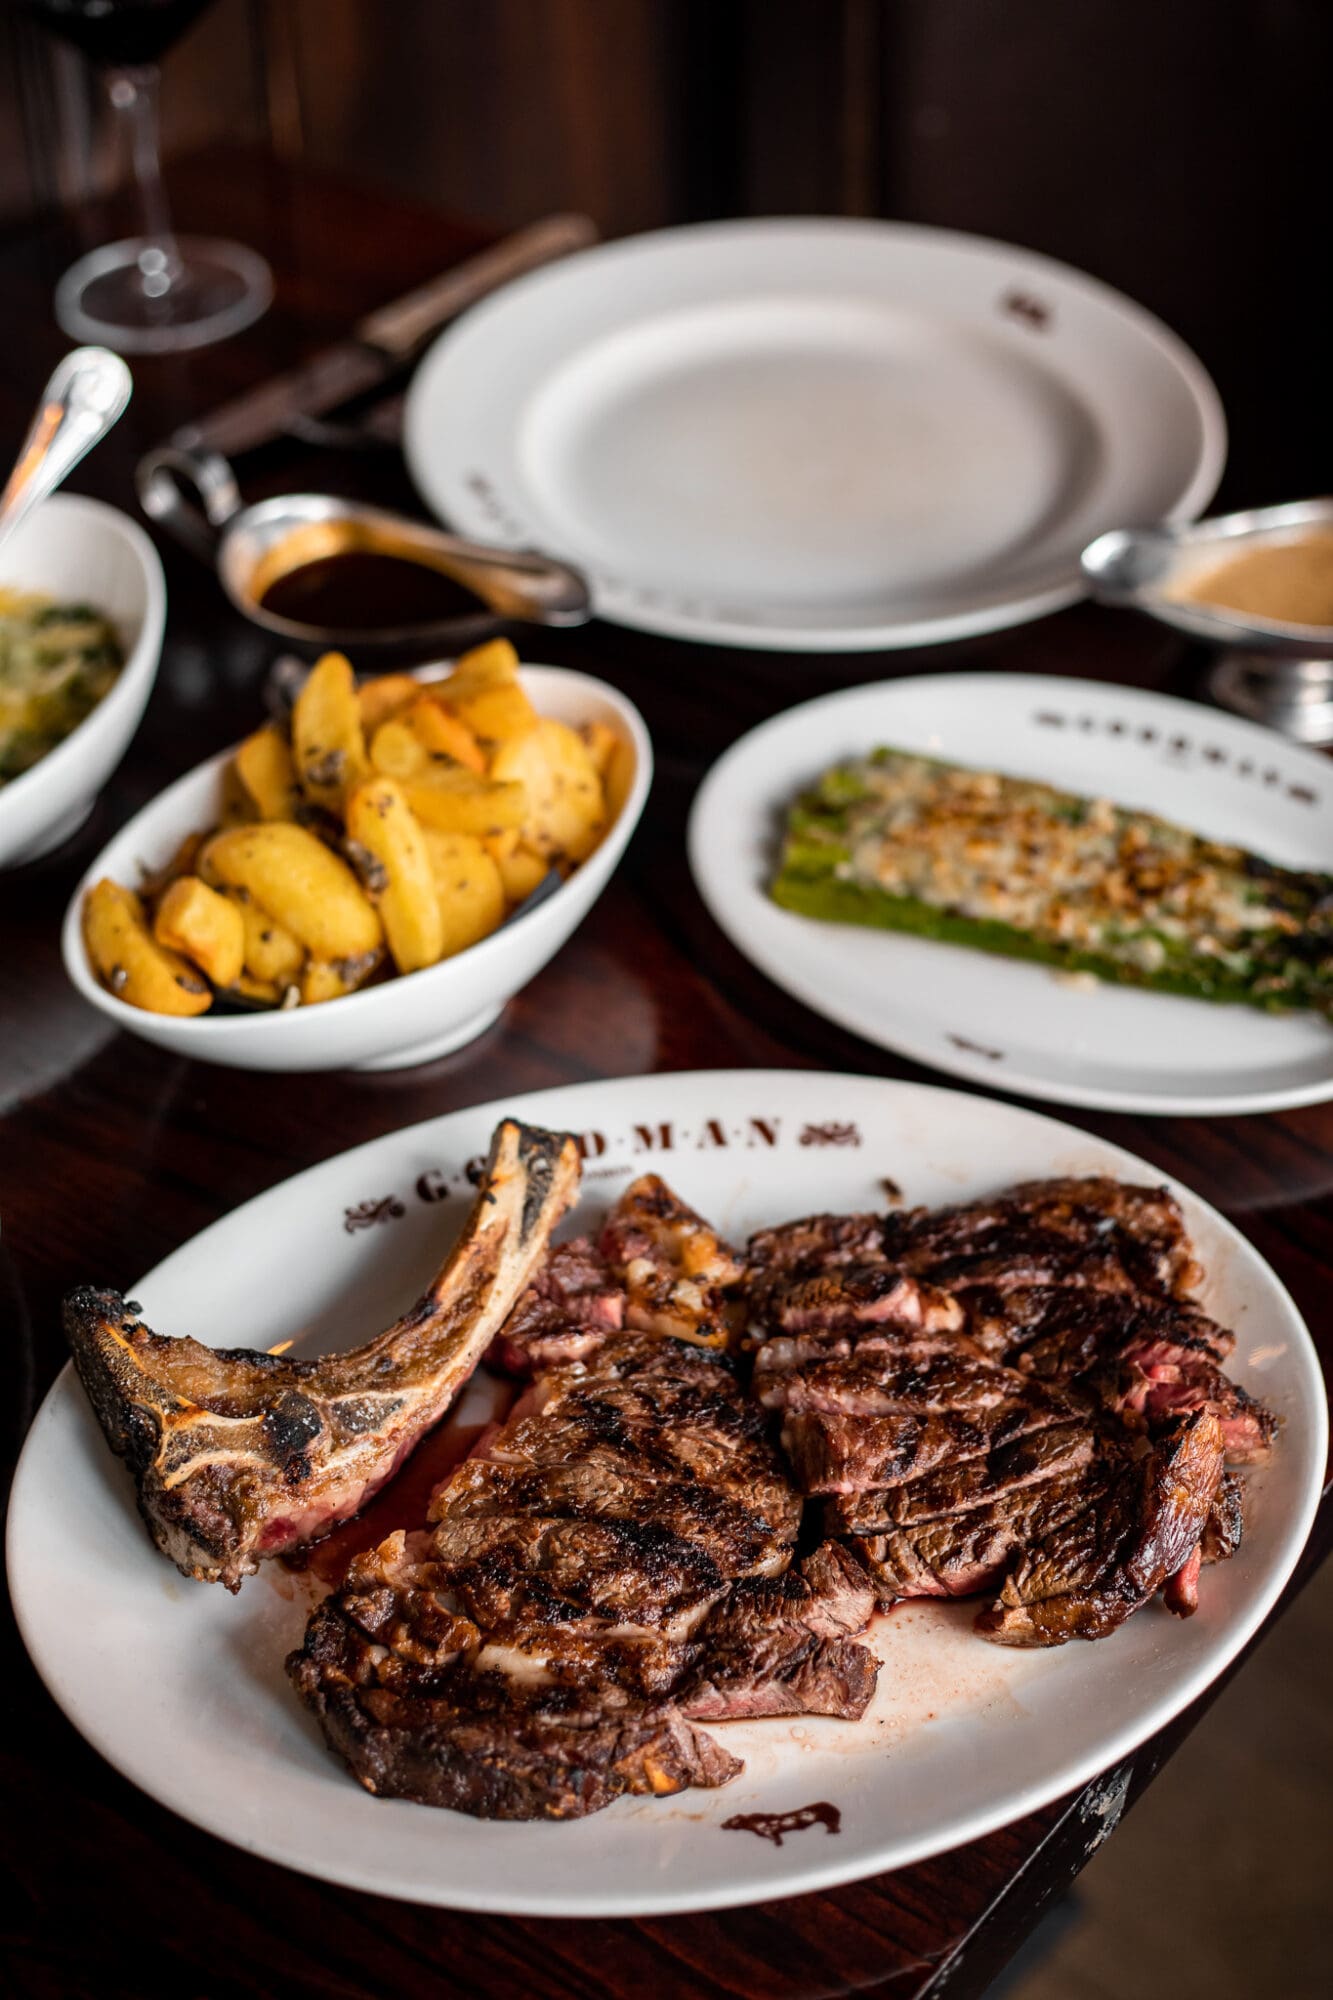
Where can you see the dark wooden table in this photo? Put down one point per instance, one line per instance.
(113, 1155)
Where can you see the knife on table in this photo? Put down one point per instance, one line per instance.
(379, 345)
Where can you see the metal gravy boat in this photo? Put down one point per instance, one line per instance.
(1278, 673)
(252, 546)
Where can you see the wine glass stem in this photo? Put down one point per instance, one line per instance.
(134, 99)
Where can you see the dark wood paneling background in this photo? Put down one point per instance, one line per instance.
(1176, 150)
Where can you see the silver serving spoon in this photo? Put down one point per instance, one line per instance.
(249, 546)
(80, 403)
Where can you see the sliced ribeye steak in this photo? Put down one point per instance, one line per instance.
(238, 1454)
(1017, 1395)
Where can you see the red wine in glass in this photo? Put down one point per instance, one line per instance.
(121, 33)
(155, 293)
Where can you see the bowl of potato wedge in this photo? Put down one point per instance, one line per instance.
(367, 882)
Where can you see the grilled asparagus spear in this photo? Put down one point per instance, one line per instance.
(911, 843)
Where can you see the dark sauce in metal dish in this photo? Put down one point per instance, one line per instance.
(772, 1826)
(366, 590)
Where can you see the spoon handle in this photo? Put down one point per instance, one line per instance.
(80, 403)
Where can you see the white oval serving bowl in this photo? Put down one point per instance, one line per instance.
(82, 551)
(406, 1019)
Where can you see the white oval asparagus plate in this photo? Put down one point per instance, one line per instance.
(998, 1021)
(814, 434)
(182, 1688)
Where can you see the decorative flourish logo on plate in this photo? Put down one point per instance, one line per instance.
(833, 1134)
(367, 1213)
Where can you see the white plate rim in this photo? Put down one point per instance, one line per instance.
(995, 615)
(799, 1878)
(976, 1068)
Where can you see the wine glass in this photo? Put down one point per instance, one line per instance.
(155, 293)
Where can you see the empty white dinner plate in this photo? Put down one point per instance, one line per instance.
(182, 1687)
(1001, 1022)
(813, 434)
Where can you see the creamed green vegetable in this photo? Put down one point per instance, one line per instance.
(911, 843)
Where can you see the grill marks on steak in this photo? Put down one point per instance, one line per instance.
(1037, 1406)
(610, 1568)
(403, 1690)
(238, 1454)
(1143, 1359)
(837, 1452)
(1142, 1526)
(1095, 1233)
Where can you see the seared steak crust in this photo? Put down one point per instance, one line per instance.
(1088, 1573)
(609, 1569)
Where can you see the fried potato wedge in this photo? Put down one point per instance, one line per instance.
(520, 872)
(258, 992)
(129, 961)
(328, 742)
(453, 800)
(444, 734)
(484, 690)
(498, 845)
(294, 877)
(493, 665)
(602, 743)
(329, 979)
(496, 715)
(267, 769)
(566, 811)
(270, 952)
(381, 825)
(384, 696)
(202, 925)
(397, 751)
(468, 885)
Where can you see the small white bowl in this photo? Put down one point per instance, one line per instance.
(83, 552)
(409, 1019)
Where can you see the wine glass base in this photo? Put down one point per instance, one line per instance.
(107, 296)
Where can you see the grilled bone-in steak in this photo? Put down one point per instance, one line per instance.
(1014, 1395)
(239, 1454)
(611, 1568)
